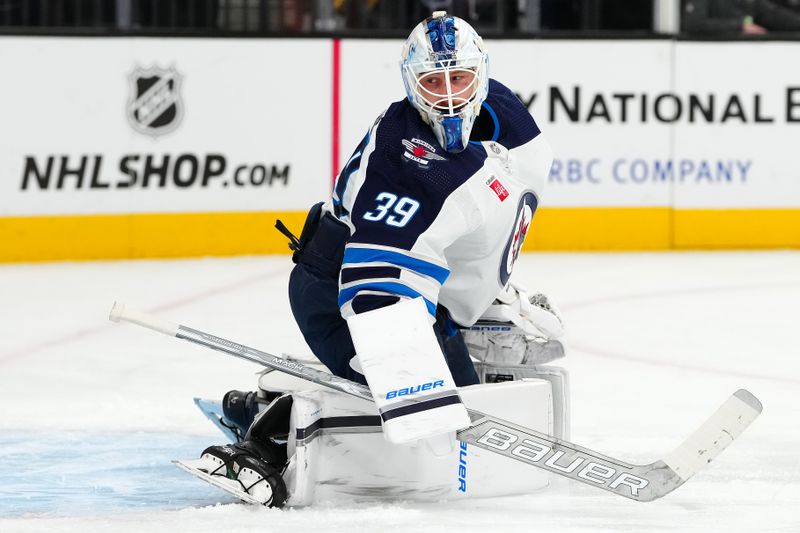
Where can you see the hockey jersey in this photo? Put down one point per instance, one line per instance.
(444, 226)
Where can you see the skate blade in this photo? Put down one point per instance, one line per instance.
(230, 486)
(212, 410)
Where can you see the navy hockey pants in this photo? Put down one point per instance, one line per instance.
(314, 294)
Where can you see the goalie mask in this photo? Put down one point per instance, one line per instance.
(445, 73)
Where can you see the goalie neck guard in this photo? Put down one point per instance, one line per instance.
(445, 71)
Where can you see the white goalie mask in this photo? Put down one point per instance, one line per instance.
(445, 71)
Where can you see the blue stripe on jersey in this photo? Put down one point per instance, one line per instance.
(493, 115)
(495, 121)
(514, 124)
(345, 295)
(373, 255)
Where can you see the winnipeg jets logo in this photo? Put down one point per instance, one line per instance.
(155, 106)
(420, 152)
(522, 223)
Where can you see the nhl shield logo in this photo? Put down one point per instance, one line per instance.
(155, 106)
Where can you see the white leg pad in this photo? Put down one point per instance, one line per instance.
(406, 372)
(337, 452)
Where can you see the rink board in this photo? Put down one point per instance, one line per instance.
(135, 236)
(666, 147)
(227, 234)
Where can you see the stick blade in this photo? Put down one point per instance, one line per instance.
(716, 434)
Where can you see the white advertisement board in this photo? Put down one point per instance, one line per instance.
(590, 99)
(100, 126)
(651, 123)
(740, 125)
(658, 143)
(578, 92)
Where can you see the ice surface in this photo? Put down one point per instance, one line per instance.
(77, 473)
(91, 412)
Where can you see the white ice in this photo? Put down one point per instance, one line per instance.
(657, 342)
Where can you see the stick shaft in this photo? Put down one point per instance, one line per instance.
(274, 362)
(120, 313)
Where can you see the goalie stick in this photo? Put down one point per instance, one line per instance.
(637, 482)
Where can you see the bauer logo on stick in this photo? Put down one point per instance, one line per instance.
(155, 106)
(585, 469)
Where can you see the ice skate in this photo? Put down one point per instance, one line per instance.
(249, 470)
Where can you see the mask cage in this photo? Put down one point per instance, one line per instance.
(446, 103)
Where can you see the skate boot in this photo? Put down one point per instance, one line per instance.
(257, 462)
(256, 466)
(241, 408)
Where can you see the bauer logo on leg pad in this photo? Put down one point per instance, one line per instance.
(462, 467)
(406, 391)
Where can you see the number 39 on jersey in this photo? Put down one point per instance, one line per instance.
(391, 210)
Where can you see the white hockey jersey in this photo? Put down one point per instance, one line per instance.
(443, 226)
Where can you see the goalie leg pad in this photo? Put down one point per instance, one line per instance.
(339, 455)
(407, 372)
(555, 375)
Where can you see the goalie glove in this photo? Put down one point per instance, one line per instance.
(534, 315)
(517, 329)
